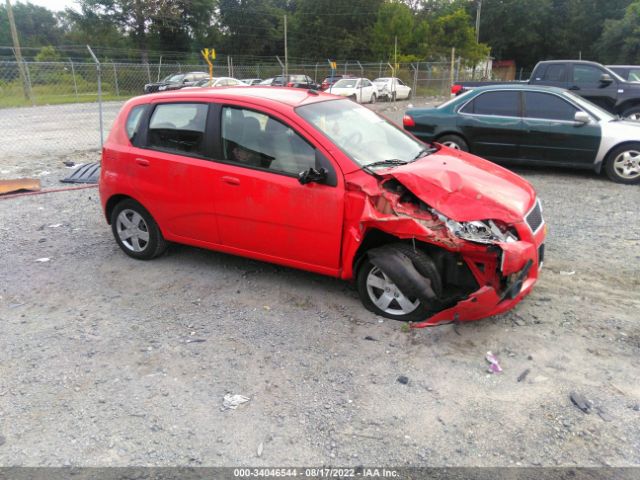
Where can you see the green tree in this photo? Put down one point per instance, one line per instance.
(36, 25)
(620, 40)
(333, 29)
(47, 54)
(437, 36)
(395, 21)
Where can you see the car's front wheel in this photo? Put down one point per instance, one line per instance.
(632, 113)
(373, 98)
(135, 231)
(381, 295)
(623, 164)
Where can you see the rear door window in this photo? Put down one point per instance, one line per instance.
(547, 106)
(178, 127)
(503, 104)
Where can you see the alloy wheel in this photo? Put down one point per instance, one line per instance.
(386, 295)
(132, 230)
(627, 164)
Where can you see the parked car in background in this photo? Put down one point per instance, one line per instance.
(175, 82)
(359, 89)
(631, 73)
(523, 124)
(221, 82)
(294, 81)
(251, 81)
(590, 80)
(267, 81)
(391, 88)
(305, 180)
(329, 81)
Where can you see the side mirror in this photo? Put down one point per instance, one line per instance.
(582, 117)
(606, 79)
(312, 175)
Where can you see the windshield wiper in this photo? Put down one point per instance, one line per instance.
(424, 152)
(391, 162)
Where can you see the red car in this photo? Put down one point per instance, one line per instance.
(311, 181)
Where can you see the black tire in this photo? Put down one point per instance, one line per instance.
(423, 263)
(137, 246)
(612, 164)
(632, 113)
(373, 98)
(353, 98)
(454, 141)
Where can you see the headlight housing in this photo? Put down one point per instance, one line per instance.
(482, 231)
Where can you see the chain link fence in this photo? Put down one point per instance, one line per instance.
(52, 109)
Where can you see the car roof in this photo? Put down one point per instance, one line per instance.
(511, 86)
(622, 66)
(263, 95)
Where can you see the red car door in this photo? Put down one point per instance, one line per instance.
(262, 207)
(172, 172)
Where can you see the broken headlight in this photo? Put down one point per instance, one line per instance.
(482, 231)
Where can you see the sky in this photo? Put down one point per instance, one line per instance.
(55, 5)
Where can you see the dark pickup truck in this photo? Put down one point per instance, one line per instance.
(590, 80)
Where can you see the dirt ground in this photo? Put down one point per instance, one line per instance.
(107, 361)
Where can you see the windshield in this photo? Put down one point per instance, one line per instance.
(174, 78)
(589, 107)
(362, 134)
(346, 83)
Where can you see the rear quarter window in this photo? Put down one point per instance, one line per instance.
(133, 121)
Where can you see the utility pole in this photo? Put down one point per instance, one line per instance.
(286, 53)
(478, 21)
(395, 52)
(17, 52)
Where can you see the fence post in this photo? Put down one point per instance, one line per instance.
(115, 77)
(148, 72)
(99, 73)
(315, 74)
(458, 69)
(415, 80)
(73, 74)
(345, 66)
(29, 86)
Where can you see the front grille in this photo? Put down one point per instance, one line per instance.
(534, 217)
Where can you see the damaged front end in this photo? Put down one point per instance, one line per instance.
(484, 261)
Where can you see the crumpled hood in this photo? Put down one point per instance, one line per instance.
(465, 187)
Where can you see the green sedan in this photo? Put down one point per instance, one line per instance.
(522, 124)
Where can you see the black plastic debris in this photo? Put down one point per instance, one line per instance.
(403, 380)
(581, 402)
(523, 375)
(87, 173)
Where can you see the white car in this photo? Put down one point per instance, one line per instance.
(221, 82)
(359, 89)
(390, 87)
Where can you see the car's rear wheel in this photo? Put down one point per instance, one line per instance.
(454, 141)
(136, 232)
(380, 294)
(623, 164)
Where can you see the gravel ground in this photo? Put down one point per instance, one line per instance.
(106, 361)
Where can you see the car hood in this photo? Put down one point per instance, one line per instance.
(464, 187)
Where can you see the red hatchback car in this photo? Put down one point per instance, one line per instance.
(311, 181)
